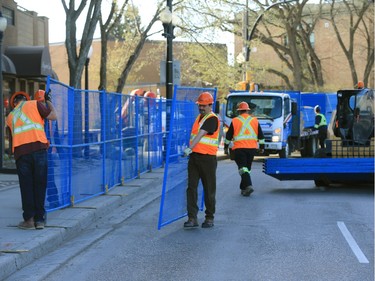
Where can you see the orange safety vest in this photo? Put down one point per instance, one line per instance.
(26, 124)
(208, 144)
(245, 134)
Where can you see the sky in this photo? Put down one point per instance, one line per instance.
(54, 11)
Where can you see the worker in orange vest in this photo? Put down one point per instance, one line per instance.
(245, 132)
(26, 123)
(202, 164)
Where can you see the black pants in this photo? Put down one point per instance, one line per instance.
(322, 135)
(32, 175)
(244, 158)
(201, 167)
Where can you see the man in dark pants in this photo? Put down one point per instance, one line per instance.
(30, 152)
(245, 132)
(321, 126)
(204, 142)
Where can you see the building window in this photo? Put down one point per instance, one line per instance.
(9, 15)
(285, 40)
(312, 39)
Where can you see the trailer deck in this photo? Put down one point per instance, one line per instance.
(322, 170)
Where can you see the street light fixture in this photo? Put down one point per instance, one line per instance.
(169, 21)
(87, 127)
(3, 26)
(250, 36)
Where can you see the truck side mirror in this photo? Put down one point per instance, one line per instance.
(294, 108)
(217, 107)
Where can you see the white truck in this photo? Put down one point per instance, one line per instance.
(287, 119)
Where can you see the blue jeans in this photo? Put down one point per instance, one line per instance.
(32, 175)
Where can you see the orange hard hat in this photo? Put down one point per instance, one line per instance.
(18, 94)
(39, 95)
(205, 98)
(360, 85)
(243, 106)
(137, 92)
(150, 95)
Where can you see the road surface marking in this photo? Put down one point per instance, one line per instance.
(352, 243)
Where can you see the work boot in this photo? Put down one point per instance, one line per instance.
(191, 223)
(39, 225)
(208, 223)
(29, 224)
(247, 191)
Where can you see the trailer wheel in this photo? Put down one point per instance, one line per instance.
(311, 147)
(303, 151)
(321, 183)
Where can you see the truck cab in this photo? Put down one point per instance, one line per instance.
(274, 113)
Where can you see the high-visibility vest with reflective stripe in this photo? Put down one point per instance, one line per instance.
(26, 124)
(323, 121)
(208, 144)
(245, 131)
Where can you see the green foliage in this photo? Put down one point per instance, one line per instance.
(128, 26)
(207, 65)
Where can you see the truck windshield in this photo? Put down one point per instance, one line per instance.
(267, 107)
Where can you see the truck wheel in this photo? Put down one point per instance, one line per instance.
(321, 183)
(304, 149)
(313, 143)
(284, 153)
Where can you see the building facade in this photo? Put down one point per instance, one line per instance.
(25, 64)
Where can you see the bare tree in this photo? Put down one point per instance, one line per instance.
(288, 30)
(106, 28)
(77, 57)
(143, 35)
(359, 27)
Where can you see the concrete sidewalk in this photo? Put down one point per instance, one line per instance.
(20, 247)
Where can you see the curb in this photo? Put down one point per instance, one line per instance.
(65, 224)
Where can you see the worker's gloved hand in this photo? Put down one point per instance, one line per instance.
(187, 151)
(48, 96)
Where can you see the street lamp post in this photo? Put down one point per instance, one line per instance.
(166, 17)
(3, 26)
(168, 21)
(87, 127)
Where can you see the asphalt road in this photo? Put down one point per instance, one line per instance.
(285, 231)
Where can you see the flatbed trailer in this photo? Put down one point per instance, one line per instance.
(323, 171)
(348, 156)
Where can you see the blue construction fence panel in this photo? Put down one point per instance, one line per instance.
(183, 113)
(99, 141)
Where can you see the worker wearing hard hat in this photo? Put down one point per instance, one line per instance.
(320, 125)
(203, 146)
(245, 133)
(29, 145)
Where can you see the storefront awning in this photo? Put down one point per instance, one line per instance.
(7, 66)
(30, 61)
